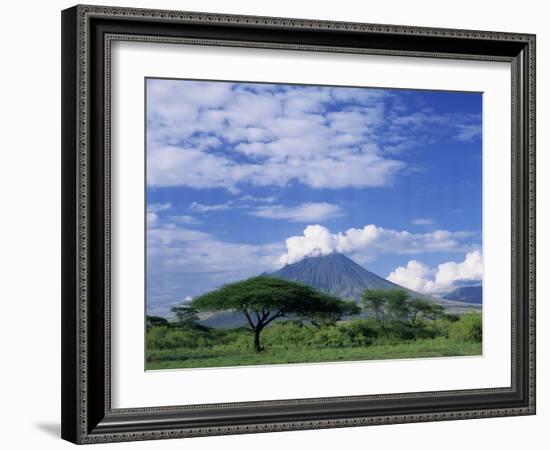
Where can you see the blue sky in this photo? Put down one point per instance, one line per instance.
(243, 178)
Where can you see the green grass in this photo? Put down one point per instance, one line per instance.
(230, 355)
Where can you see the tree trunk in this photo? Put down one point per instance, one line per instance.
(257, 347)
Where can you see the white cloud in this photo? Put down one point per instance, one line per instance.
(254, 199)
(467, 132)
(184, 220)
(185, 262)
(264, 135)
(167, 234)
(199, 207)
(416, 276)
(446, 277)
(215, 134)
(178, 166)
(157, 207)
(368, 241)
(305, 212)
(423, 222)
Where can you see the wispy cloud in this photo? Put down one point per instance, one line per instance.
(305, 212)
(255, 199)
(184, 262)
(185, 220)
(157, 207)
(423, 221)
(201, 208)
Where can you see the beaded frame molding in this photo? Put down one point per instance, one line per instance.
(87, 35)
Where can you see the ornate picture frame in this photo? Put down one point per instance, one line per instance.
(88, 33)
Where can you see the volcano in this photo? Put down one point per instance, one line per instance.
(337, 275)
(340, 276)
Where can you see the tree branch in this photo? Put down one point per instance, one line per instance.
(257, 316)
(249, 320)
(272, 318)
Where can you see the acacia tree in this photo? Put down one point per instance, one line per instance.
(386, 305)
(397, 305)
(186, 316)
(374, 301)
(322, 318)
(419, 306)
(264, 299)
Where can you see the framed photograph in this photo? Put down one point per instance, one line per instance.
(279, 224)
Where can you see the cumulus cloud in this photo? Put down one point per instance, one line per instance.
(191, 167)
(446, 277)
(305, 212)
(215, 134)
(368, 241)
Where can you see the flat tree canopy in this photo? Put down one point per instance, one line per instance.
(263, 299)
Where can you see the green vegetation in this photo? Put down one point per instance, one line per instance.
(397, 327)
(263, 299)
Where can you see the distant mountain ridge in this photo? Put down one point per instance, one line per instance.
(467, 294)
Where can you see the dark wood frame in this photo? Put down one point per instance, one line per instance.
(87, 32)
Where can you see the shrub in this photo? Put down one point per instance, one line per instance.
(362, 331)
(288, 333)
(160, 337)
(356, 333)
(332, 336)
(467, 329)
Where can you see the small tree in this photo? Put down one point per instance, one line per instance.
(397, 305)
(374, 301)
(264, 299)
(436, 311)
(186, 316)
(320, 318)
(427, 310)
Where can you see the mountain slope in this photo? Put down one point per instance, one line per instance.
(340, 276)
(467, 294)
(335, 274)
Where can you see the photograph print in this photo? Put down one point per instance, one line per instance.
(292, 223)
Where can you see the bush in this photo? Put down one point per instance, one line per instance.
(332, 336)
(288, 334)
(357, 333)
(360, 327)
(468, 328)
(162, 337)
